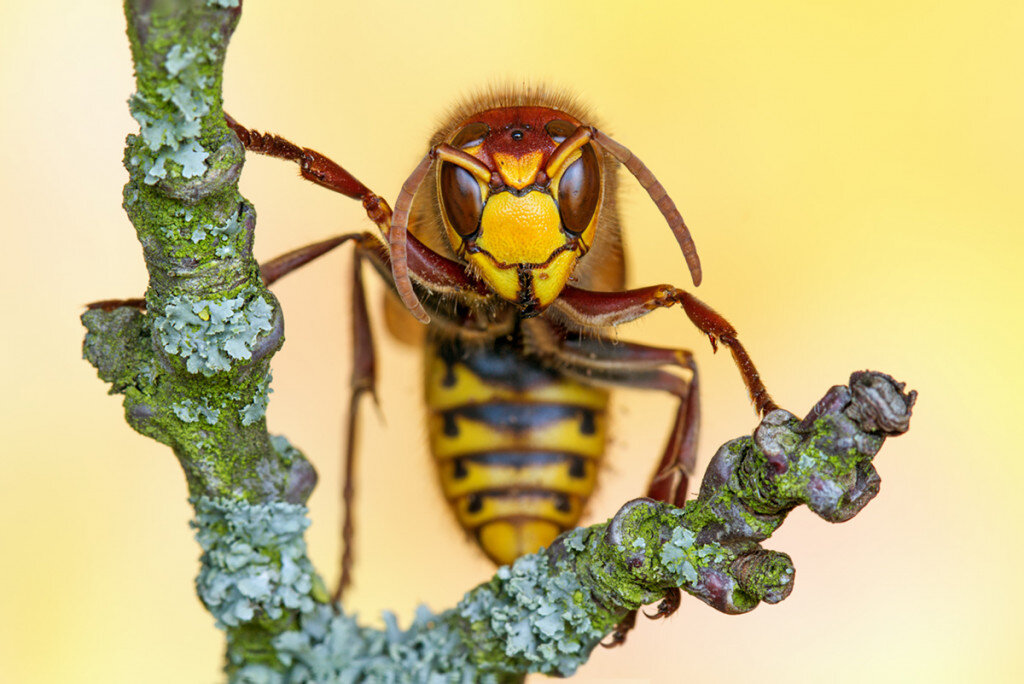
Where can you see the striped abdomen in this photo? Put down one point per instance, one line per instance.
(517, 445)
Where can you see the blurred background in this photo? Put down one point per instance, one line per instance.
(851, 173)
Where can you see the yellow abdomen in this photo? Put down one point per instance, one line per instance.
(517, 445)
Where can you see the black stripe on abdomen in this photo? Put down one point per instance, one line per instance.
(521, 459)
(518, 416)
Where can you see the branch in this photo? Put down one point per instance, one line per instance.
(194, 371)
(548, 611)
(195, 368)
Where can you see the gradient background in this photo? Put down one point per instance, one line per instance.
(852, 176)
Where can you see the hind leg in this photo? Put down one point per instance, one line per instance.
(628, 364)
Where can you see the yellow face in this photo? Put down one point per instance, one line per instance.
(520, 206)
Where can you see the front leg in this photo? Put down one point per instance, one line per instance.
(589, 309)
(317, 168)
(431, 270)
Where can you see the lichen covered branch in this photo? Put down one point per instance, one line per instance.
(193, 365)
(547, 611)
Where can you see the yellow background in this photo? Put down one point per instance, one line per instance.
(852, 176)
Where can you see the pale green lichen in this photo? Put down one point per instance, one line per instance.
(225, 234)
(209, 334)
(169, 116)
(173, 229)
(229, 228)
(540, 616)
(575, 540)
(538, 619)
(190, 411)
(334, 648)
(530, 617)
(258, 408)
(254, 561)
(683, 557)
(285, 449)
(222, 234)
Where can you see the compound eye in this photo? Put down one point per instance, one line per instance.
(461, 199)
(578, 190)
(471, 135)
(559, 129)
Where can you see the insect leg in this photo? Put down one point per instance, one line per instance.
(587, 309)
(671, 477)
(432, 273)
(363, 381)
(628, 364)
(599, 360)
(111, 304)
(317, 168)
(284, 264)
(618, 637)
(271, 271)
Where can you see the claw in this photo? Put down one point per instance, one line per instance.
(621, 630)
(668, 605)
(111, 304)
